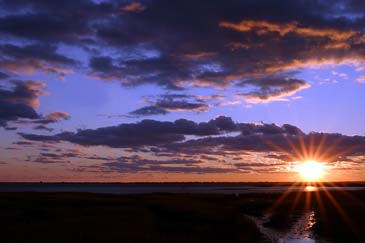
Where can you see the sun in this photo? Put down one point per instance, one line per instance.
(311, 170)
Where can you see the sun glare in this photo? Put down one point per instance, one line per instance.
(311, 170)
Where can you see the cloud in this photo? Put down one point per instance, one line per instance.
(56, 22)
(316, 146)
(136, 164)
(43, 121)
(216, 146)
(181, 105)
(47, 160)
(57, 156)
(217, 136)
(56, 116)
(3, 75)
(43, 127)
(164, 71)
(272, 88)
(53, 117)
(167, 103)
(37, 57)
(23, 92)
(361, 79)
(37, 52)
(149, 111)
(24, 143)
(341, 75)
(144, 133)
(301, 40)
(265, 27)
(19, 101)
(198, 55)
(133, 7)
(218, 46)
(123, 168)
(12, 112)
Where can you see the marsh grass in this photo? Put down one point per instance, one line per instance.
(84, 217)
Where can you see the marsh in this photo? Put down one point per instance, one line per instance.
(91, 217)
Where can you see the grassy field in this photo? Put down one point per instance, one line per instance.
(83, 217)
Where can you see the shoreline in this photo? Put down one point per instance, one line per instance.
(259, 184)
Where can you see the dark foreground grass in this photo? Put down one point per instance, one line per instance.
(82, 217)
(78, 217)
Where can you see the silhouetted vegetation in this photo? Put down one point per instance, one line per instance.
(84, 217)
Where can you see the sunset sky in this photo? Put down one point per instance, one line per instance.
(161, 90)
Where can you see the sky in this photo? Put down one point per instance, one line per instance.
(160, 90)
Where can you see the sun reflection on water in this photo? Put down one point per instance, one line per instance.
(311, 189)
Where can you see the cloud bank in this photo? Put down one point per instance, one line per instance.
(254, 45)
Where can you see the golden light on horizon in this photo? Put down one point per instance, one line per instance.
(311, 170)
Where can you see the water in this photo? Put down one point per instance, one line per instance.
(300, 231)
(157, 188)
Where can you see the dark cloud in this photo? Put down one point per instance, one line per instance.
(265, 128)
(124, 168)
(47, 160)
(44, 120)
(62, 155)
(43, 127)
(17, 103)
(149, 111)
(176, 164)
(213, 137)
(31, 58)
(12, 148)
(251, 43)
(207, 157)
(274, 87)
(12, 112)
(101, 64)
(52, 156)
(224, 43)
(146, 132)
(66, 22)
(316, 146)
(22, 143)
(181, 105)
(224, 123)
(11, 128)
(41, 52)
(3, 75)
(41, 26)
(135, 164)
(26, 93)
(162, 71)
(172, 103)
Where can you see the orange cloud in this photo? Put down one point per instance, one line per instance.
(361, 79)
(262, 27)
(198, 55)
(312, 63)
(56, 116)
(133, 7)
